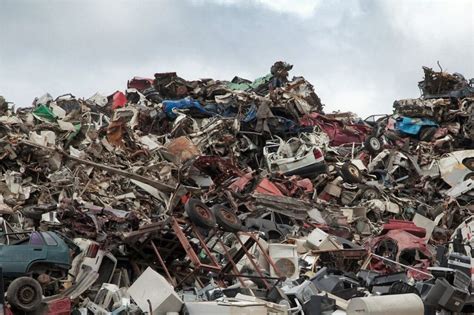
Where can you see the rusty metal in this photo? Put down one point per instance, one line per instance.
(264, 252)
(189, 249)
(183, 229)
(400, 264)
(244, 251)
(162, 263)
(342, 259)
(236, 271)
(250, 256)
(205, 248)
(231, 261)
(181, 234)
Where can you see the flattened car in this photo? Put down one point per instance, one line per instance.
(294, 157)
(457, 167)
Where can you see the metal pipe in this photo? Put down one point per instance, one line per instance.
(405, 266)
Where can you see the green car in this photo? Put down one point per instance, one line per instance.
(35, 252)
(27, 255)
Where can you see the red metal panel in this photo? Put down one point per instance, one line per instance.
(407, 226)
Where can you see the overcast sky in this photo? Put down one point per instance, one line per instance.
(359, 55)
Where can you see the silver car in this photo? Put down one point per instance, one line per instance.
(294, 157)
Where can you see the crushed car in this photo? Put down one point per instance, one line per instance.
(294, 157)
(237, 196)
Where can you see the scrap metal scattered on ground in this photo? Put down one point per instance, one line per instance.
(237, 197)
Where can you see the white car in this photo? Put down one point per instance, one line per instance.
(457, 166)
(294, 157)
(92, 259)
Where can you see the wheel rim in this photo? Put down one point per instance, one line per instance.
(228, 217)
(375, 144)
(370, 194)
(354, 171)
(26, 294)
(203, 213)
(470, 164)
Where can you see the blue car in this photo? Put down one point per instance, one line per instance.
(421, 128)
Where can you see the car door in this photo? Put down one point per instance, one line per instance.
(15, 258)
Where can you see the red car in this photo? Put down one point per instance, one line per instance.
(339, 133)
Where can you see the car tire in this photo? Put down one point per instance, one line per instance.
(373, 145)
(370, 193)
(469, 163)
(469, 176)
(200, 214)
(350, 173)
(227, 219)
(25, 294)
(427, 133)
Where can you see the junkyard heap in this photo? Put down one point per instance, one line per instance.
(237, 197)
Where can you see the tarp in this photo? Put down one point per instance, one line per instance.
(249, 86)
(44, 113)
(185, 103)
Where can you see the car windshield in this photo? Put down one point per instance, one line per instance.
(36, 239)
(33, 238)
(50, 241)
(374, 118)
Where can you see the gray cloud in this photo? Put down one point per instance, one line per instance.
(360, 55)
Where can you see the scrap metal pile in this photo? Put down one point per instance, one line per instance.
(208, 196)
